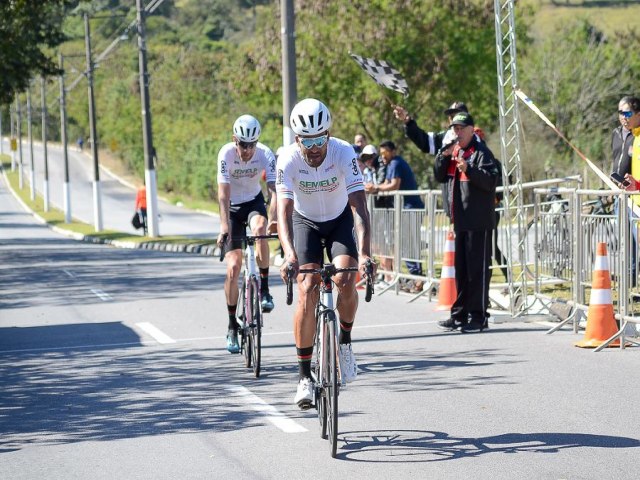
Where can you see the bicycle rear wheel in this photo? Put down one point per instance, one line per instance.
(331, 387)
(255, 329)
(248, 317)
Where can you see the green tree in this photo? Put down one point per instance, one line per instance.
(576, 77)
(28, 28)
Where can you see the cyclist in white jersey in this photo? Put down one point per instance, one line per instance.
(240, 167)
(321, 199)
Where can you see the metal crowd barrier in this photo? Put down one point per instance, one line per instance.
(568, 228)
(400, 236)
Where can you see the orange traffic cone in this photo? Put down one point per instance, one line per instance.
(601, 324)
(447, 293)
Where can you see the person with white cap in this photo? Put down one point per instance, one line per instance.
(321, 199)
(240, 166)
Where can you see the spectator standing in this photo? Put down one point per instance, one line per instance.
(359, 142)
(374, 174)
(399, 176)
(80, 142)
(141, 207)
(428, 142)
(622, 139)
(469, 173)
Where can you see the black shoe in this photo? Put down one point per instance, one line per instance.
(473, 327)
(449, 325)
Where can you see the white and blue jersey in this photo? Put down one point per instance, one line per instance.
(319, 194)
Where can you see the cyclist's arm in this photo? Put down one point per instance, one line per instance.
(285, 234)
(224, 193)
(362, 225)
(273, 207)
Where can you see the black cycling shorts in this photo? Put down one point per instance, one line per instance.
(337, 234)
(239, 217)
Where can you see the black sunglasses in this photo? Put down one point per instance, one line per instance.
(246, 145)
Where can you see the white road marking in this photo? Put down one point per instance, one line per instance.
(69, 273)
(104, 296)
(157, 334)
(275, 416)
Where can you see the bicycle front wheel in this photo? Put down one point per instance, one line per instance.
(331, 387)
(319, 370)
(247, 299)
(255, 329)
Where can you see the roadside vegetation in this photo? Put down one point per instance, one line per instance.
(212, 60)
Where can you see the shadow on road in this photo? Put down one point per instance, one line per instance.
(402, 446)
(59, 397)
(64, 272)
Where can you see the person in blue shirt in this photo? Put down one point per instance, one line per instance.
(400, 177)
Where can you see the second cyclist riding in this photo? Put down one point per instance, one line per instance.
(249, 311)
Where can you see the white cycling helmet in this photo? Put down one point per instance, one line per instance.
(246, 128)
(310, 117)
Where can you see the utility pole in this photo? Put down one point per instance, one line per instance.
(32, 169)
(12, 121)
(289, 81)
(44, 143)
(19, 127)
(97, 207)
(65, 151)
(147, 138)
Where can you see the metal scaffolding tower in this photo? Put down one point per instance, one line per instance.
(514, 212)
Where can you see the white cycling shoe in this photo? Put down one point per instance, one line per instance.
(348, 365)
(304, 395)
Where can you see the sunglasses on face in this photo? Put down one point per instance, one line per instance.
(309, 143)
(246, 145)
(625, 113)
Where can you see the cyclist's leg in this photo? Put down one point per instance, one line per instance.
(308, 246)
(258, 224)
(234, 265)
(344, 253)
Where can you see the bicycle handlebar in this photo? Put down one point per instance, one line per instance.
(329, 270)
(246, 239)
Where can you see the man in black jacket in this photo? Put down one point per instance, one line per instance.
(469, 173)
(622, 140)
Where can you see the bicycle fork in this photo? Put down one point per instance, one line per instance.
(325, 314)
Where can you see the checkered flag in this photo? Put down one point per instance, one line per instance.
(383, 73)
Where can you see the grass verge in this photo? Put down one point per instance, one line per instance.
(55, 217)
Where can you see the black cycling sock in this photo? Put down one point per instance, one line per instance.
(264, 280)
(345, 332)
(304, 361)
(232, 317)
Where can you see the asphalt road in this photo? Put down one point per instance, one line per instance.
(118, 199)
(113, 365)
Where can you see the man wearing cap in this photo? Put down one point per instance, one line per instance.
(428, 142)
(469, 174)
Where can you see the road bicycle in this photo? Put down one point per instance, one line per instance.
(325, 371)
(249, 311)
